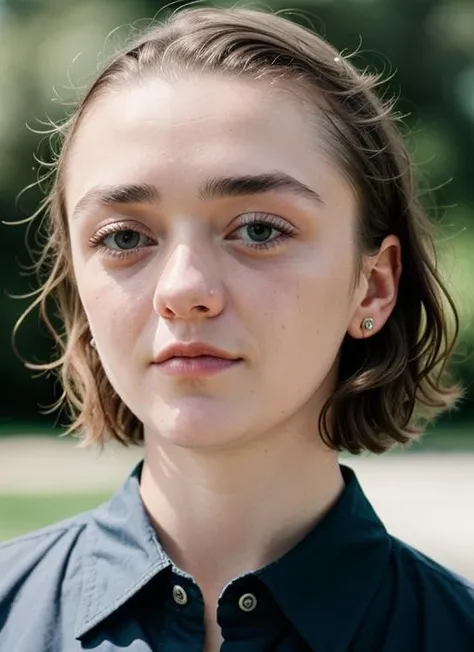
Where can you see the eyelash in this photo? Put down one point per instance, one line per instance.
(97, 241)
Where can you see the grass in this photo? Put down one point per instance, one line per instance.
(22, 514)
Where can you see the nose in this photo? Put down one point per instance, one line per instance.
(189, 286)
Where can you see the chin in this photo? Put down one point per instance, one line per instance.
(196, 427)
(195, 438)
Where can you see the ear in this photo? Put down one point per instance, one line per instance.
(378, 288)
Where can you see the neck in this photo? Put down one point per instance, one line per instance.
(220, 514)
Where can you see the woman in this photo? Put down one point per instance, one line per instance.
(248, 287)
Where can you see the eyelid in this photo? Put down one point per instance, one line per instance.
(267, 218)
(114, 227)
(286, 229)
(97, 240)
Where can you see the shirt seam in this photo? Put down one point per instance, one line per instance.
(92, 586)
(39, 535)
(442, 572)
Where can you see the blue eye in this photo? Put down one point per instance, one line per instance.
(260, 228)
(259, 232)
(263, 232)
(126, 241)
(129, 239)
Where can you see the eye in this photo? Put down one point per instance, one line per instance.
(126, 239)
(115, 240)
(257, 231)
(265, 231)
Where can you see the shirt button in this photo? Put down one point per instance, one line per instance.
(179, 595)
(248, 602)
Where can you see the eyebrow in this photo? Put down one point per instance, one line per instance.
(218, 187)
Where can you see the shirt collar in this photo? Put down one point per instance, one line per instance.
(122, 554)
(324, 585)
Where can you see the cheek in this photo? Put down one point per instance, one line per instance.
(115, 310)
(314, 288)
(302, 315)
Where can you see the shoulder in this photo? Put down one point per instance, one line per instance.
(443, 599)
(36, 571)
(40, 548)
(431, 572)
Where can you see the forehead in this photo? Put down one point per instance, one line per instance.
(180, 132)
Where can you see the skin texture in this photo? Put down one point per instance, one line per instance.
(233, 461)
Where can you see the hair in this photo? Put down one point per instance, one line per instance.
(390, 384)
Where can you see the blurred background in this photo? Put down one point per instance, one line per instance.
(49, 50)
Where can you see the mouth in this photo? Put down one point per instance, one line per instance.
(196, 366)
(195, 359)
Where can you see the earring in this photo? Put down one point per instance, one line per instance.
(368, 324)
(93, 344)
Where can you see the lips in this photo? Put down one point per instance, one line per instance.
(193, 350)
(195, 360)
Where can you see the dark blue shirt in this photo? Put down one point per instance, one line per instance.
(101, 581)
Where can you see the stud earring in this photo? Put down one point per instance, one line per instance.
(368, 324)
(93, 344)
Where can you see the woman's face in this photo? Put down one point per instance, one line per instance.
(265, 273)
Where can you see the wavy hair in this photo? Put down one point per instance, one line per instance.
(390, 384)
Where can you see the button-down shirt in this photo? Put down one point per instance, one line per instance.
(102, 581)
